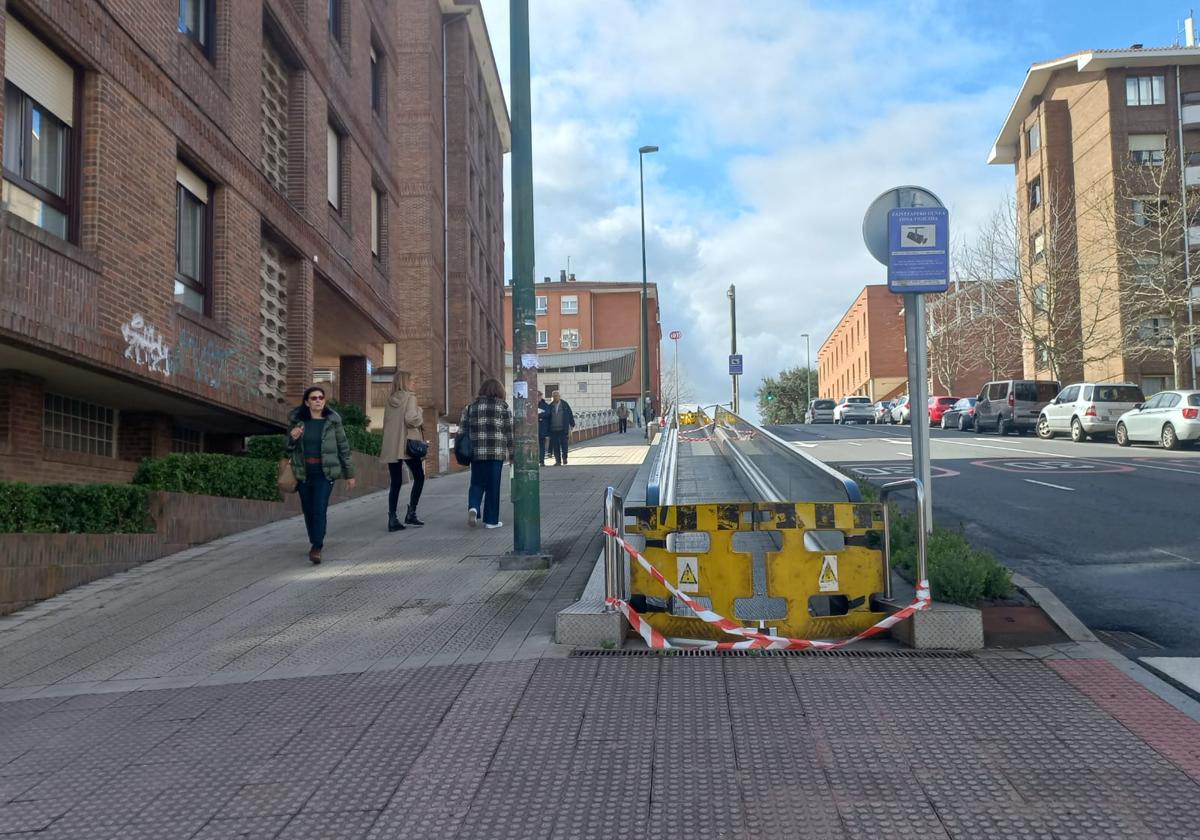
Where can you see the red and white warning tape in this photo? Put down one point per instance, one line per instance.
(752, 639)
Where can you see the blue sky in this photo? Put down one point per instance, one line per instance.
(778, 124)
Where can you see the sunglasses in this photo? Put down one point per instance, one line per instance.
(315, 398)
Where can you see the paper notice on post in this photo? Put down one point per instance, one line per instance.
(529, 360)
(521, 389)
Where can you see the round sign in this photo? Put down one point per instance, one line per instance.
(875, 222)
(676, 335)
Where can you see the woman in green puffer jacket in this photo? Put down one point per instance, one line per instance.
(320, 455)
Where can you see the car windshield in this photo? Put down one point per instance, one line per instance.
(965, 402)
(824, 404)
(1041, 392)
(946, 401)
(860, 400)
(1118, 394)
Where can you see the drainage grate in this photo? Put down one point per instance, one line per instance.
(1126, 641)
(841, 654)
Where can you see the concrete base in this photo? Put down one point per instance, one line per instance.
(585, 623)
(524, 562)
(942, 627)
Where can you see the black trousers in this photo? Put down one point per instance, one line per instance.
(543, 442)
(396, 473)
(622, 424)
(558, 445)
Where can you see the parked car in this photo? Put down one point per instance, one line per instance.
(937, 407)
(882, 412)
(1088, 408)
(854, 409)
(960, 416)
(1170, 417)
(1008, 405)
(820, 411)
(901, 410)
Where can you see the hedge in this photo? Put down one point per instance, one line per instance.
(271, 447)
(210, 474)
(74, 508)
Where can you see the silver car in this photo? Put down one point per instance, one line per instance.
(820, 411)
(853, 409)
(881, 412)
(1087, 408)
(1169, 417)
(901, 411)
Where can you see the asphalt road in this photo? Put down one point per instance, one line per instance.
(1114, 532)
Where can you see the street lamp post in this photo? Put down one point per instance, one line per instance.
(642, 152)
(807, 370)
(731, 293)
(675, 336)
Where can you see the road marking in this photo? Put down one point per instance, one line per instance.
(1048, 484)
(1141, 462)
(850, 443)
(1173, 554)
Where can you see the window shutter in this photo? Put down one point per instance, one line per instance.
(332, 183)
(191, 182)
(36, 69)
(1147, 142)
(375, 221)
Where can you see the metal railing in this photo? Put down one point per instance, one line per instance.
(660, 486)
(614, 561)
(885, 491)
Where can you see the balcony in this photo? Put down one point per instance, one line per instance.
(1191, 173)
(1193, 235)
(1191, 116)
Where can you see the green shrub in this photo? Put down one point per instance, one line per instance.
(266, 447)
(352, 416)
(74, 508)
(210, 475)
(369, 443)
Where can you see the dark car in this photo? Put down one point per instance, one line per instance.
(961, 415)
(1008, 405)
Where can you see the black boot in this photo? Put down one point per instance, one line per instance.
(411, 517)
(394, 524)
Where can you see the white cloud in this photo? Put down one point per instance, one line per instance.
(778, 125)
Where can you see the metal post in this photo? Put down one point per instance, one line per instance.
(676, 394)
(732, 295)
(614, 565)
(918, 392)
(645, 401)
(923, 526)
(526, 491)
(807, 370)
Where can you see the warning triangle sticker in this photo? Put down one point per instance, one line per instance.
(827, 575)
(827, 580)
(688, 576)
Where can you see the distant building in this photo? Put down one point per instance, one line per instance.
(594, 327)
(865, 352)
(973, 337)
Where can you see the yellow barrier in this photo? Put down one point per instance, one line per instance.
(771, 574)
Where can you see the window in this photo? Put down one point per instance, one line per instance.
(1041, 350)
(333, 164)
(1039, 297)
(193, 233)
(39, 110)
(1146, 211)
(569, 305)
(196, 22)
(1145, 268)
(186, 440)
(1035, 194)
(378, 222)
(1039, 247)
(1033, 138)
(78, 426)
(542, 304)
(1147, 149)
(1069, 394)
(543, 338)
(1145, 90)
(1156, 330)
(376, 82)
(335, 19)
(570, 339)
(582, 386)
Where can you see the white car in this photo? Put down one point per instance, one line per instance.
(1088, 408)
(854, 410)
(1169, 417)
(901, 410)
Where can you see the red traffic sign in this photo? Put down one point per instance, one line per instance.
(676, 335)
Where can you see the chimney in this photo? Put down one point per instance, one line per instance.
(562, 276)
(1189, 31)
(571, 278)
(546, 279)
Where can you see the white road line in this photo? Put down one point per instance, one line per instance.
(1048, 484)
(1173, 554)
(850, 443)
(1093, 460)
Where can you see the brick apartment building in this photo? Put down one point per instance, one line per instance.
(1087, 134)
(204, 201)
(973, 336)
(864, 354)
(575, 317)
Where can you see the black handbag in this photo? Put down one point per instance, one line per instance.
(416, 449)
(464, 448)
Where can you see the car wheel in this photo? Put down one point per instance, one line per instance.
(962, 422)
(1001, 426)
(1168, 438)
(978, 425)
(1043, 429)
(944, 424)
(1078, 435)
(1122, 435)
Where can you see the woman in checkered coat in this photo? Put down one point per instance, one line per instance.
(489, 423)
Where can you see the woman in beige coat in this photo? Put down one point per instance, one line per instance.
(402, 421)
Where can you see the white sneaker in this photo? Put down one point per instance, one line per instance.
(497, 525)
(472, 517)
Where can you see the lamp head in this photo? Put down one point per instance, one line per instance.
(645, 150)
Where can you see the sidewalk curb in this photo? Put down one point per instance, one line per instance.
(1085, 645)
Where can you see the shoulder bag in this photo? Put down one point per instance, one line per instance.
(464, 448)
(416, 449)
(284, 475)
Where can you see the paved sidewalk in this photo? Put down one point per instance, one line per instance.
(408, 689)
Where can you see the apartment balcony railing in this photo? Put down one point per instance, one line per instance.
(1191, 115)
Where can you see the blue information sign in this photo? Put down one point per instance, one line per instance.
(735, 364)
(918, 249)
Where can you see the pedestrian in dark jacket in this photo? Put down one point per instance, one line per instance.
(489, 423)
(543, 428)
(622, 418)
(320, 454)
(402, 421)
(562, 420)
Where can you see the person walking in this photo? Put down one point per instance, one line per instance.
(489, 423)
(402, 424)
(320, 454)
(562, 420)
(622, 418)
(543, 428)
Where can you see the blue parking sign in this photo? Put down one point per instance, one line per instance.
(918, 249)
(735, 364)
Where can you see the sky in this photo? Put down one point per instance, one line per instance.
(778, 124)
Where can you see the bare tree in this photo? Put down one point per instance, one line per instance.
(989, 268)
(680, 392)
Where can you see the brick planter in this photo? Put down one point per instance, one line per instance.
(34, 567)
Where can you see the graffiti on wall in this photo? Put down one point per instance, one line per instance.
(216, 363)
(145, 345)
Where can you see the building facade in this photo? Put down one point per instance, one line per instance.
(973, 336)
(864, 354)
(573, 317)
(205, 202)
(1105, 145)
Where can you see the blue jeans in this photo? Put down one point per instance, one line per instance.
(485, 486)
(314, 494)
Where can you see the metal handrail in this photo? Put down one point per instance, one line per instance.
(885, 491)
(614, 566)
